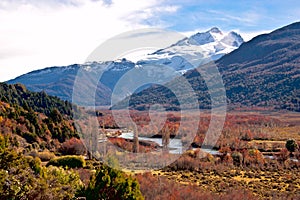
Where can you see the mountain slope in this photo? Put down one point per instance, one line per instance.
(59, 81)
(262, 72)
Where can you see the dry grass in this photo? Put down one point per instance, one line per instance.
(264, 184)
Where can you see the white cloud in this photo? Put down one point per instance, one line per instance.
(249, 18)
(36, 34)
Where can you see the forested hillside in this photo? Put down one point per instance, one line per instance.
(38, 101)
(41, 155)
(35, 117)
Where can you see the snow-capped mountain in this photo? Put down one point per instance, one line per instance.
(186, 54)
(263, 72)
(198, 49)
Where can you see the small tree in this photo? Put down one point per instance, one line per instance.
(55, 116)
(283, 155)
(291, 145)
(165, 139)
(237, 158)
(109, 183)
(135, 141)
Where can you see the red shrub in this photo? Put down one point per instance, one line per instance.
(73, 146)
(283, 155)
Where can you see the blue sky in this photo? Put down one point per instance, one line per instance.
(36, 34)
(247, 16)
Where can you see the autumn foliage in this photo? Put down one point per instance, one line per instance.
(73, 146)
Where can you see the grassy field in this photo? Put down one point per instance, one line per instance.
(262, 183)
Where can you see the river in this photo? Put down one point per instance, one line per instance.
(175, 144)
